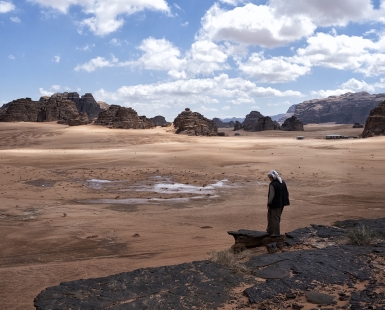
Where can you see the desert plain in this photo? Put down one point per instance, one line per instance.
(89, 201)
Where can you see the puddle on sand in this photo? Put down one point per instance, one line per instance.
(41, 183)
(157, 185)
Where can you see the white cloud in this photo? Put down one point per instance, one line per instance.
(281, 22)
(95, 63)
(232, 2)
(11, 57)
(56, 87)
(6, 6)
(204, 92)
(255, 108)
(185, 24)
(15, 19)
(45, 92)
(273, 70)
(115, 42)
(204, 57)
(278, 104)
(254, 24)
(106, 15)
(206, 109)
(86, 47)
(225, 108)
(344, 53)
(177, 6)
(350, 86)
(159, 55)
(56, 59)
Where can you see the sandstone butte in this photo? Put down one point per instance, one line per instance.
(375, 123)
(194, 124)
(123, 118)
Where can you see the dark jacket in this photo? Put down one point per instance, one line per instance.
(281, 195)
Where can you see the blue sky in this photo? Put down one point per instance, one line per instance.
(221, 58)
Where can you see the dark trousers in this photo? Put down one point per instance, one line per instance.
(274, 220)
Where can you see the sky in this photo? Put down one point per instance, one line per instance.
(220, 58)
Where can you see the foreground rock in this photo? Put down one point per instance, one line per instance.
(375, 124)
(346, 273)
(45, 110)
(123, 118)
(292, 124)
(194, 124)
(349, 108)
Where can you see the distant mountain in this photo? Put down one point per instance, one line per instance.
(233, 119)
(348, 108)
(277, 117)
(288, 114)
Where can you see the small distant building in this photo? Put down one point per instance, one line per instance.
(237, 134)
(300, 137)
(358, 125)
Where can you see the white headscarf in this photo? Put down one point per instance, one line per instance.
(275, 175)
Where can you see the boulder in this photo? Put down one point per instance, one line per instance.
(194, 124)
(375, 124)
(158, 120)
(237, 126)
(124, 118)
(348, 108)
(292, 124)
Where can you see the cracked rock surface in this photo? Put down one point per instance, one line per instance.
(348, 275)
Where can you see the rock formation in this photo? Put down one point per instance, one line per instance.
(124, 118)
(292, 124)
(79, 119)
(375, 124)
(158, 120)
(84, 103)
(266, 123)
(45, 110)
(349, 108)
(290, 112)
(221, 124)
(194, 124)
(237, 126)
(103, 105)
(251, 120)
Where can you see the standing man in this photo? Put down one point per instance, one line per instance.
(278, 197)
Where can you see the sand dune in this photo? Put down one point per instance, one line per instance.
(51, 232)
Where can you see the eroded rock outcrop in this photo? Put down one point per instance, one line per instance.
(237, 126)
(255, 121)
(375, 123)
(85, 103)
(45, 110)
(292, 124)
(194, 124)
(349, 108)
(124, 118)
(251, 120)
(158, 120)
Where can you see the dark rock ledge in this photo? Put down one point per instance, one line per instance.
(290, 277)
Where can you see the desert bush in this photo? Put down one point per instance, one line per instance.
(364, 235)
(230, 259)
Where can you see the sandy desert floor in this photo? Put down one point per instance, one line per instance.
(88, 201)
